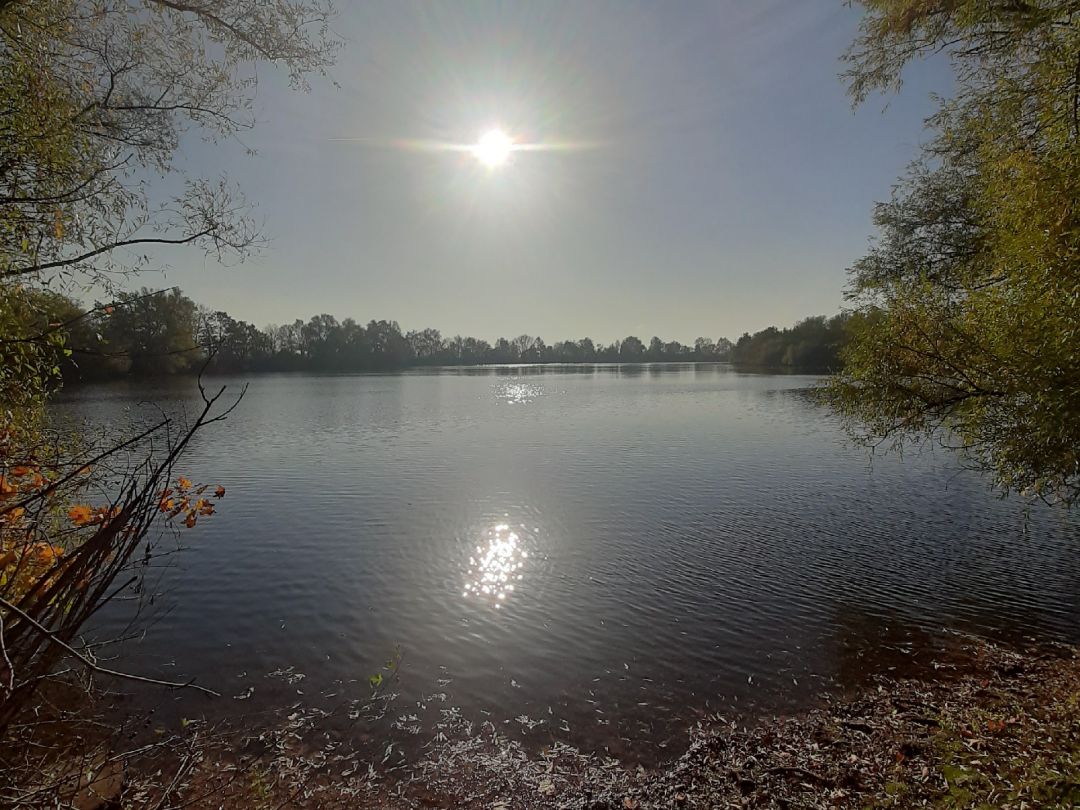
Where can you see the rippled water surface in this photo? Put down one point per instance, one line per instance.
(612, 550)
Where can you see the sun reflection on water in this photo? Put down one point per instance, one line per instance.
(518, 393)
(496, 567)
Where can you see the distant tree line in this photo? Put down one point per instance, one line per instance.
(813, 343)
(165, 332)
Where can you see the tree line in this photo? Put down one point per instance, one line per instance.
(150, 333)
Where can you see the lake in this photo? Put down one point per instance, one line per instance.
(615, 551)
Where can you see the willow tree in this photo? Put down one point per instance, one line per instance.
(969, 298)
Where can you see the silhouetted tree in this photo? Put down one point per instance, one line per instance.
(812, 344)
(631, 350)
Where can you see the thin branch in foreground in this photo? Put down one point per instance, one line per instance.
(97, 667)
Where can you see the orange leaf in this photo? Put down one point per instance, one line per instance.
(219, 492)
(183, 483)
(80, 515)
(47, 553)
(190, 522)
(15, 514)
(21, 470)
(6, 487)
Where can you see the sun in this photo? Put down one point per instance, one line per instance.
(494, 148)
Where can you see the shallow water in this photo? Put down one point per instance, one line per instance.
(656, 543)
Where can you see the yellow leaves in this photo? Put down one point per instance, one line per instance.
(81, 514)
(25, 563)
(181, 503)
(47, 553)
(58, 224)
(12, 518)
(21, 477)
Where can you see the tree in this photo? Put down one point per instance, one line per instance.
(521, 346)
(95, 96)
(426, 345)
(631, 349)
(389, 349)
(704, 348)
(813, 344)
(147, 333)
(969, 299)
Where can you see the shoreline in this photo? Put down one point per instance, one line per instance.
(996, 727)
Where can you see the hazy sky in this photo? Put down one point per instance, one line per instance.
(722, 181)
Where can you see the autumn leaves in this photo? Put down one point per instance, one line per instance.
(184, 501)
(28, 543)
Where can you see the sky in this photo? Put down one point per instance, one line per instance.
(711, 175)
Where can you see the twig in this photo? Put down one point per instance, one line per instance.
(3, 651)
(95, 667)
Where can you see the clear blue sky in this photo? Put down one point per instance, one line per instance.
(726, 185)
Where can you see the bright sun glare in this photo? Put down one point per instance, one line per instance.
(493, 149)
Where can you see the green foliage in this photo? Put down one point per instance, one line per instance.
(32, 349)
(812, 344)
(95, 97)
(148, 333)
(970, 295)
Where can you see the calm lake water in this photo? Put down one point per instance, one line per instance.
(615, 551)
